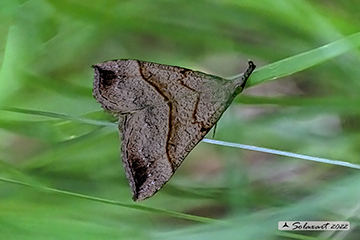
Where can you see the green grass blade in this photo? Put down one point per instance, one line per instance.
(303, 61)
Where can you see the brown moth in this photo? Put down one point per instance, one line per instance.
(164, 111)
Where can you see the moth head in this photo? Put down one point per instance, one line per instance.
(241, 81)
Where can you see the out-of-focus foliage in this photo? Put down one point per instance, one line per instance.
(47, 48)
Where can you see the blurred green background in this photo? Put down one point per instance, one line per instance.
(46, 52)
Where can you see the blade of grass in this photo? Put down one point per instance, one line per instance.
(282, 153)
(303, 61)
(61, 116)
(221, 143)
(323, 102)
(112, 202)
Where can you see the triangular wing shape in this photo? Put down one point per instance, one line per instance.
(164, 112)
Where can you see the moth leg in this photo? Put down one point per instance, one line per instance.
(213, 136)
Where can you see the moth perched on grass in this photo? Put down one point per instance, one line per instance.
(164, 112)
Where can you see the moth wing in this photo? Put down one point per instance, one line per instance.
(165, 112)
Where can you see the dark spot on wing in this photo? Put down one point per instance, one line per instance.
(107, 77)
(139, 171)
(184, 70)
(204, 129)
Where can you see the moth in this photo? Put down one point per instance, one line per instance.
(164, 112)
